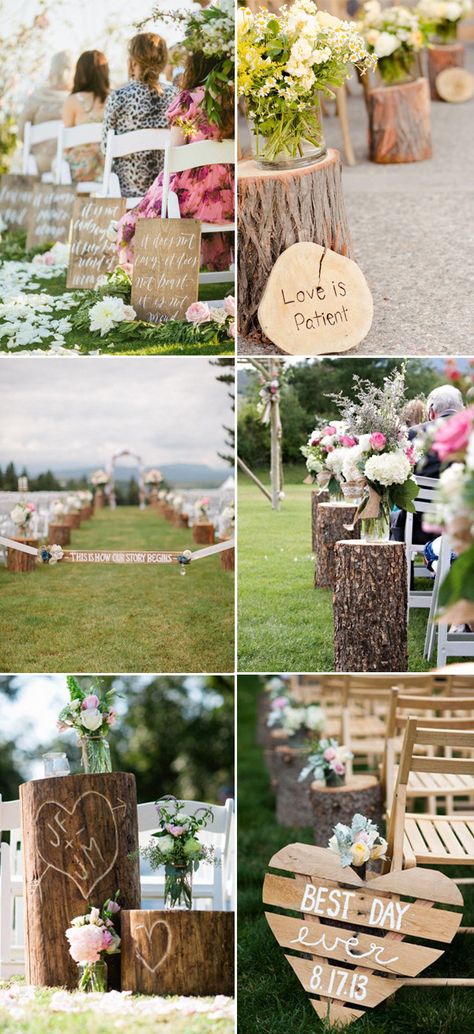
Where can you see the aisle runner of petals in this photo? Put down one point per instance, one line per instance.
(18, 1000)
(31, 315)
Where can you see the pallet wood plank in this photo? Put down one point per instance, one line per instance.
(371, 989)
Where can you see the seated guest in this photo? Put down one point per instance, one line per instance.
(414, 413)
(45, 104)
(141, 104)
(86, 104)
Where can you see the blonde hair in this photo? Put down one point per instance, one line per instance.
(61, 70)
(150, 53)
(415, 412)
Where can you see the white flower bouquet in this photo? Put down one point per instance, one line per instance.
(201, 508)
(227, 519)
(99, 478)
(91, 716)
(294, 719)
(57, 508)
(22, 514)
(395, 35)
(358, 843)
(325, 452)
(327, 763)
(153, 477)
(176, 847)
(73, 503)
(441, 18)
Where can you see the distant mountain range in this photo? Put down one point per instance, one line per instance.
(182, 475)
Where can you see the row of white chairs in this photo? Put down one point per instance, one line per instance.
(213, 885)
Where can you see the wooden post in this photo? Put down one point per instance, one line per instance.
(293, 807)
(252, 477)
(399, 123)
(330, 528)
(439, 57)
(59, 535)
(203, 533)
(178, 952)
(361, 794)
(316, 499)
(72, 520)
(277, 209)
(78, 834)
(22, 562)
(370, 607)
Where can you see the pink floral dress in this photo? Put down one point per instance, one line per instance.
(206, 193)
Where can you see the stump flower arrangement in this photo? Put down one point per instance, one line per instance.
(91, 938)
(153, 477)
(325, 452)
(177, 849)
(327, 763)
(201, 509)
(22, 515)
(396, 36)
(441, 18)
(91, 716)
(358, 843)
(286, 63)
(294, 719)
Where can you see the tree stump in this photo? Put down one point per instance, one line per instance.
(72, 520)
(99, 499)
(22, 562)
(293, 806)
(59, 535)
(181, 520)
(277, 209)
(78, 833)
(441, 56)
(399, 123)
(86, 513)
(169, 512)
(227, 557)
(331, 519)
(178, 952)
(370, 607)
(263, 711)
(362, 794)
(203, 533)
(316, 499)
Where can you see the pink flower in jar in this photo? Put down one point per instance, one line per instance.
(85, 942)
(348, 441)
(330, 430)
(329, 754)
(377, 441)
(31, 506)
(111, 717)
(338, 767)
(454, 433)
(176, 831)
(90, 701)
(198, 312)
(279, 703)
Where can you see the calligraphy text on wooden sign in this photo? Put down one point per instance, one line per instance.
(131, 557)
(92, 251)
(50, 214)
(166, 268)
(16, 193)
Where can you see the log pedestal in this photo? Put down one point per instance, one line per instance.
(316, 499)
(227, 557)
(22, 562)
(370, 607)
(203, 533)
(439, 57)
(277, 209)
(181, 520)
(178, 952)
(72, 520)
(399, 123)
(331, 519)
(86, 513)
(78, 833)
(59, 535)
(99, 499)
(361, 794)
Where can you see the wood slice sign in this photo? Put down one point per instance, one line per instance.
(50, 214)
(93, 253)
(351, 934)
(166, 270)
(315, 302)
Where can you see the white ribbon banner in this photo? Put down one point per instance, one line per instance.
(134, 556)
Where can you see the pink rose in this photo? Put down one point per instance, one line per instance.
(377, 441)
(229, 305)
(31, 506)
(410, 455)
(329, 448)
(90, 701)
(454, 433)
(329, 754)
(338, 767)
(279, 702)
(176, 831)
(330, 430)
(348, 440)
(198, 312)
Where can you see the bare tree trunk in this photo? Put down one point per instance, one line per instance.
(330, 528)
(370, 607)
(399, 123)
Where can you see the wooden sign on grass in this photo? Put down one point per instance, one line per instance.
(92, 251)
(354, 930)
(49, 218)
(166, 269)
(16, 194)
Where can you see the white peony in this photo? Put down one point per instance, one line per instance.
(388, 468)
(106, 314)
(20, 515)
(315, 718)
(386, 44)
(91, 718)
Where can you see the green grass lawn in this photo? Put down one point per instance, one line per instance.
(94, 617)
(270, 998)
(285, 624)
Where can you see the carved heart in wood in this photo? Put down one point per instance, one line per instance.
(354, 929)
(82, 844)
(150, 947)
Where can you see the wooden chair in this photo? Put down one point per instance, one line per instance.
(119, 145)
(38, 134)
(76, 136)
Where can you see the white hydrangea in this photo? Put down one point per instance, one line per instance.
(388, 468)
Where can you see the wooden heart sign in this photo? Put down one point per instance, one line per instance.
(315, 302)
(348, 948)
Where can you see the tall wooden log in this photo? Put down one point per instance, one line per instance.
(361, 794)
(22, 562)
(330, 528)
(59, 535)
(399, 123)
(439, 57)
(203, 533)
(316, 499)
(72, 520)
(99, 499)
(277, 209)
(178, 952)
(78, 834)
(370, 607)
(293, 806)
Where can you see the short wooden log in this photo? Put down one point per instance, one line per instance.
(22, 562)
(86, 513)
(293, 807)
(316, 499)
(227, 557)
(361, 794)
(78, 834)
(203, 533)
(59, 535)
(370, 607)
(99, 499)
(181, 520)
(277, 209)
(169, 512)
(399, 123)
(439, 57)
(331, 519)
(72, 520)
(178, 952)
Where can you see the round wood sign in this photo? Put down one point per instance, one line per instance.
(455, 85)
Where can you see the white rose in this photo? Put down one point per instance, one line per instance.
(166, 843)
(386, 44)
(91, 718)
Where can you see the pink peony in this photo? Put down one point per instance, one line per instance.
(338, 767)
(176, 831)
(31, 506)
(198, 312)
(86, 942)
(454, 433)
(329, 754)
(348, 441)
(330, 430)
(279, 702)
(229, 305)
(90, 701)
(377, 441)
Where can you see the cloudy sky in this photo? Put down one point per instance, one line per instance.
(68, 414)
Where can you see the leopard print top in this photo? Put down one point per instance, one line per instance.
(136, 106)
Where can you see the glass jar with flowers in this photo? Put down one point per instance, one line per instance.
(287, 61)
(358, 844)
(441, 18)
(396, 36)
(22, 516)
(91, 938)
(176, 848)
(91, 716)
(326, 763)
(325, 452)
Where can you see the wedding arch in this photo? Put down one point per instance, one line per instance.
(141, 477)
(270, 372)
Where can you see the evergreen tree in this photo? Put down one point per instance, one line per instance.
(10, 481)
(227, 376)
(132, 492)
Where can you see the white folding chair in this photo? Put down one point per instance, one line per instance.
(211, 883)
(120, 145)
(193, 156)
(12, 947)
(76, 136)
(424, 504)
(38, 134)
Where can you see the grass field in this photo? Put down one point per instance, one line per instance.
(270, 998)
(94, 617)
(285, 624)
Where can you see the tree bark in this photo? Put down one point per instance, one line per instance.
(316, 499)
(362, 794)
(59, 535)
(22, 562)
(370, 607)
(441, 56)
(330, 521)
(72, 520)
(78, 833)
(263, 711)
(203, 533)
(399, 123)
(178, 952)
(277, 209)
(227, 558)
(293, 806)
